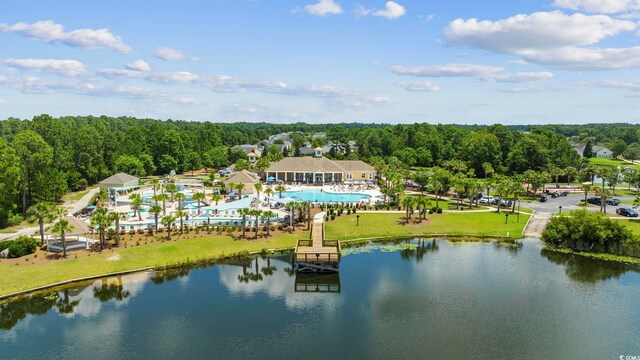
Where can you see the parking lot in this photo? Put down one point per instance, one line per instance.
(570, 202)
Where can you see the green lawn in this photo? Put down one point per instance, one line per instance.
(387, 224)
(634, 225)
(20, 277)
(612, 162)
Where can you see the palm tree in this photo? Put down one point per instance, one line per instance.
(269, 193)
(258, 187)
(199, 197)
(239, 187)
(292, 206)
(556, 172)
(172, 189)
(256, 213)
(101, 220)
(407, 202)
(180, 196)
(280, 189)
(155, 210)
(586, 187)
(570, 172)
(604, 195)
(115, 216)
(42, 212)
(181, 214)
(62, 227)
(136, 204)
(244, 212)
(168, 220)
(216, 198)
(154, 183)
(164, 198)
(268, 215)
(424, 203)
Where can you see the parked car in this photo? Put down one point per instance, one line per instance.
(614, 202)
(564, 193)
(543, 198)
(594, 200)
(223, 172)
(506, 203)
(554, 194)
(627, 212)
(487, 200)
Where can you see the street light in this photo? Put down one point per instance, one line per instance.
(506, 218)
(357, 220)
(560, 209)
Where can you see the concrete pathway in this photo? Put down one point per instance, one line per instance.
(72, 207)
(537, 223)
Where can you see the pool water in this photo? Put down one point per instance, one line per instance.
(325, 197)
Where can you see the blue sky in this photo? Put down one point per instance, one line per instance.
(320, 61)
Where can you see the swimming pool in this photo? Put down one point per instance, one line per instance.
(325, 197)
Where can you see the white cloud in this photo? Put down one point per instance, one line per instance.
(169, 54)
(71, 68)
(323, 7)
(139, 65)
(538, 31)
(419, 86)
(392, 10)
(599, 6)
(549, 38)
(448, 70)
(587, 58)
(85, 38)
(162, 77)
(623, 85)
(481, 72)
(517, 77)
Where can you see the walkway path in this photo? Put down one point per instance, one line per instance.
(537, 223)
(71, 206)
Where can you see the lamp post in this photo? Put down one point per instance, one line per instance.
(506, 218)
(560, 207)
(358, 220)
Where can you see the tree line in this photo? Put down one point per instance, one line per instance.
(45, 157)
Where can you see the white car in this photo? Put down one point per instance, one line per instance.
(487, 200)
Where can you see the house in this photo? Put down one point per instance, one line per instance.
(253, 157)
(245, 177)
(120, 181)
(247, 148)
(597, 151)
(320, 170)
(602, 152)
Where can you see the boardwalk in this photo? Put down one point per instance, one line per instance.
(317, 254)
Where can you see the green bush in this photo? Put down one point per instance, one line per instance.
(439, 211)
(24, 245)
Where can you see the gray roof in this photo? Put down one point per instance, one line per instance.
(313, 164)
(119, 178)
(243, 177)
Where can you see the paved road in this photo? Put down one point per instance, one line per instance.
(570, 202)
(72, 206)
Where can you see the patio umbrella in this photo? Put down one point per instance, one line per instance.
(232, 194)
(271, 178)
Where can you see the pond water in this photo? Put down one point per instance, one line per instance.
(430, 299)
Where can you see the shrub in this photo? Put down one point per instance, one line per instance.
(132, 232)
(23, 245)
(439, 211)
(333, 216)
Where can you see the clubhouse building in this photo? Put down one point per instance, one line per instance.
(319, 170)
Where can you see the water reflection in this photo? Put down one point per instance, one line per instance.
(12, 312)
(107, 291)
(317, 283)
(418, 252)
(583, 269)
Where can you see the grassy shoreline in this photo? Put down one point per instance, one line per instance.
(472, 226)
(629, 260)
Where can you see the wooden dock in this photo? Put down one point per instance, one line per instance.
(317, 254)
